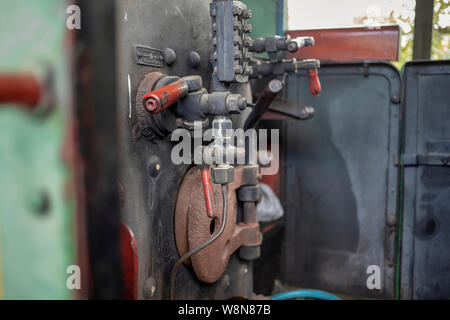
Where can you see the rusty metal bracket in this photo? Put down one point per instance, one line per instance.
(193, 227)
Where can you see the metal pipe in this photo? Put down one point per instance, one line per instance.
(207, 191)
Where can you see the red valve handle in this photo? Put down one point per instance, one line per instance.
(207, 191)
(314, 83)
(22, 89)
(160, 99)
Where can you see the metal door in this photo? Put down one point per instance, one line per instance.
(340, 180)
(425, 259)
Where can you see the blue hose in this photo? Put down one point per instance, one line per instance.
(302, 294)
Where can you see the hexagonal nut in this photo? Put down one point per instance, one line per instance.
(236, 103)
(237, 10)
(248, 42)
(248, 70)
(292, 46)
(222, 174)
(238, 69)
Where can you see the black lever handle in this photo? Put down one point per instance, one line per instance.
(265, 99)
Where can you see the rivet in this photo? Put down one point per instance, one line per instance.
(169, 56)
(154, 166)
(194, 59)
(149, 289)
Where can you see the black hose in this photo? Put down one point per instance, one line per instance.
(202, 246)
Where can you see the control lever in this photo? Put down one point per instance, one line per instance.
(312, 66)
(158, 100)
(197, 102)
(265, 99)
(314, 83)
(264, 68)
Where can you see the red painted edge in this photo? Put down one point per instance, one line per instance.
(129, 254)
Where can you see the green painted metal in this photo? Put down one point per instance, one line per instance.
(36, 214)
(264, 18)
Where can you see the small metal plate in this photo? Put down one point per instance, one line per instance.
(149, 57)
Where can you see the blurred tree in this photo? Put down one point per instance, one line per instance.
(404, 17)
(441, 30)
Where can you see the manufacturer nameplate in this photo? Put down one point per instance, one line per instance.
(149, 57)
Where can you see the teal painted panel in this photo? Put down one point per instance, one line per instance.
(264, 18)
(36, 214)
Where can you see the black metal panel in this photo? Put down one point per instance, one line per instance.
(426, 206)
(340, 180)
(96, 123)
(149, 195)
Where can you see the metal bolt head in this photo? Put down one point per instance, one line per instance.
(222, 174)
(242, 103)
(214, 56)
(309, 41)
(248, 42)
(154, 166)
(247, 14)
(292, 46)
(236, 24)
(237, 10)
(235, 103)
(247, 28)
(149, 289)
(248, 70)
(238, 69)
(395, 99)
(194, 59)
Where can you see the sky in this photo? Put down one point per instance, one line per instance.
(311, 14)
